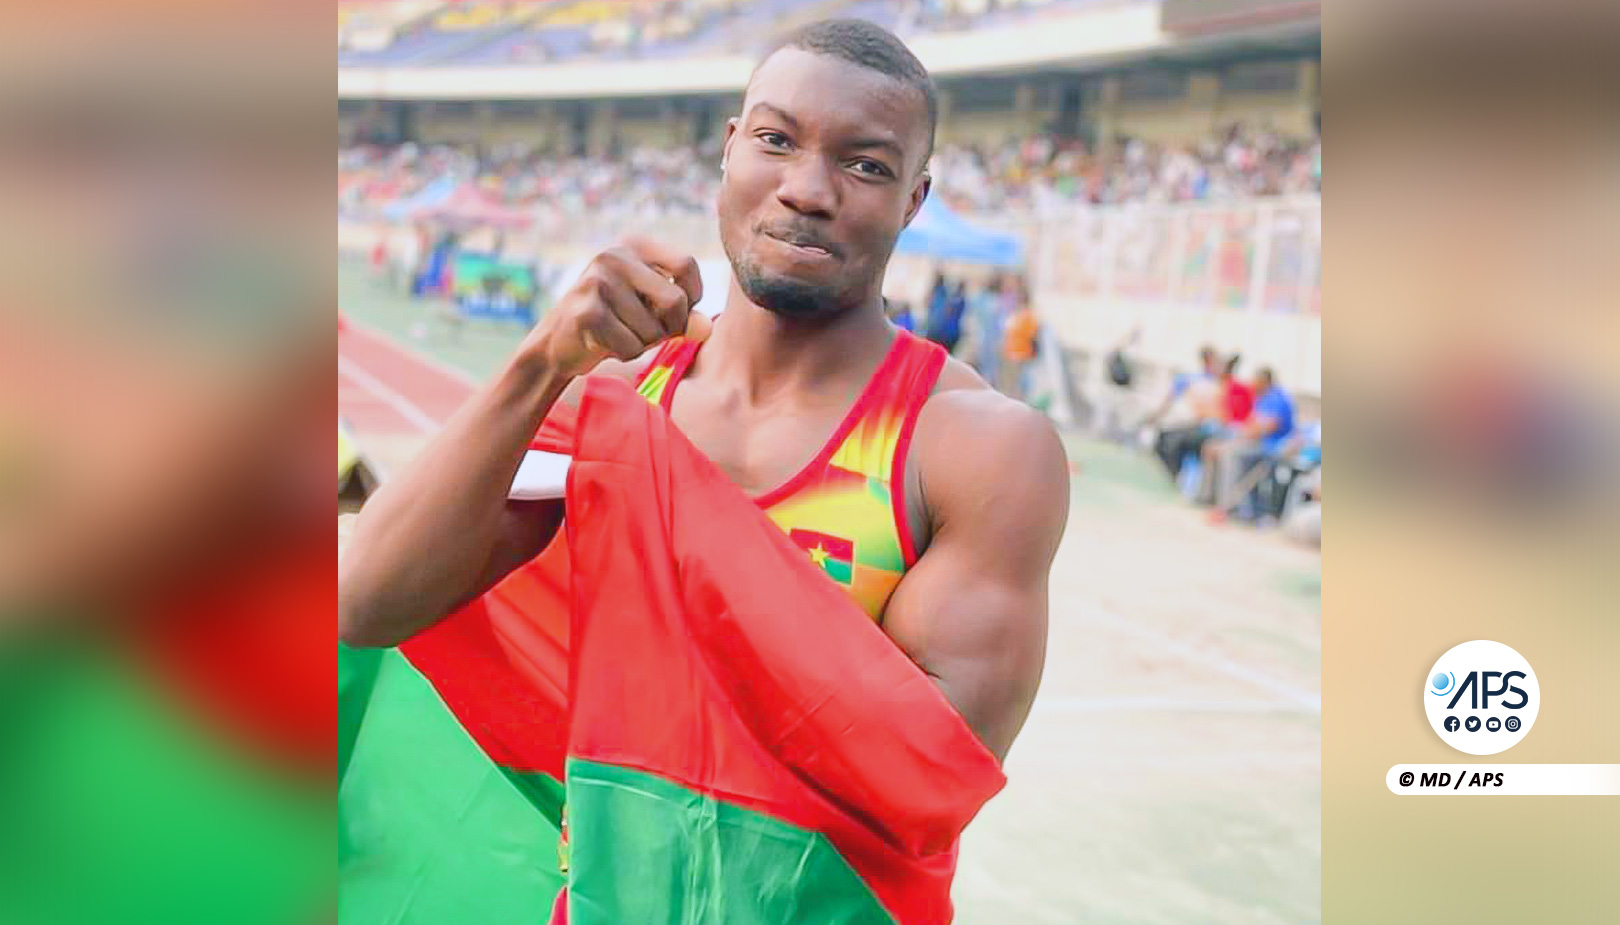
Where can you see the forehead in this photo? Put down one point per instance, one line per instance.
(831, 96)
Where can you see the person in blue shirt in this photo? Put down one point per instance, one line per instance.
(1273, 412)
(938, 295)
(1257, 441)
(945, 324)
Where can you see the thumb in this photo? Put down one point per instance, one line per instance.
(698, 326)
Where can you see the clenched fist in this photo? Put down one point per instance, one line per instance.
(629, 298)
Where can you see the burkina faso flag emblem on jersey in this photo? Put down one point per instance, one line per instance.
(835, 555)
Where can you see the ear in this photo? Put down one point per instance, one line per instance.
(918, 194)
(725, 147)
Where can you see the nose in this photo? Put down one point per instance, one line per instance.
(808, 187)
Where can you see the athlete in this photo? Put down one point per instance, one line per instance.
(934, 500)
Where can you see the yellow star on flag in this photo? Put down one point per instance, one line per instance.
(818, 555)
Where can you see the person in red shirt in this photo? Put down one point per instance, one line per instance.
(1236, 404)
(1237, 398)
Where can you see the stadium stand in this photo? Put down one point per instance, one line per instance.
(374, 26)
(441, 35)
(489, 32)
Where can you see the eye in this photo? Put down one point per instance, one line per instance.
(873, 168)
(774, 139)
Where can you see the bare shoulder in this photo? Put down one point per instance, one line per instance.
(974, 446)
(966, 420)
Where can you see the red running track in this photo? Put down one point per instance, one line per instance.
(386, 389)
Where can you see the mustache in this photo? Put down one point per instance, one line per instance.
(800, 233)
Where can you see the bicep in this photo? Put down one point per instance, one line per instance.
(981, 638)
(973, 610)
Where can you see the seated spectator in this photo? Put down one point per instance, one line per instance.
(1237, 398)
(1188, 415)
(1299, 456)
(1255, 442)
(1236, 404)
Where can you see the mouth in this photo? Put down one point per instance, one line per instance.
(804, 245)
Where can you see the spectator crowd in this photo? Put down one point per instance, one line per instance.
(1022, 175)
(643, 183)
(1042, 172)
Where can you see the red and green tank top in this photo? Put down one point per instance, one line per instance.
(846, 508)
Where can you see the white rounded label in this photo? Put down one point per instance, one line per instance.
(1481, 697)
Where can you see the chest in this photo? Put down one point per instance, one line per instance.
(759, 448)
(832, 467)
(823, 470)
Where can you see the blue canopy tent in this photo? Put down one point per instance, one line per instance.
(428, 197)
(938, 233)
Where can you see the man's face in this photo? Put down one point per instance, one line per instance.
(823, 170)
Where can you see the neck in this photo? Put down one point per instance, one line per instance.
(764, 354)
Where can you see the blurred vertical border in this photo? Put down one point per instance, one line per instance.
(1474, 225)
(168, 732)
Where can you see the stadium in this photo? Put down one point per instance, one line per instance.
(1142, 177)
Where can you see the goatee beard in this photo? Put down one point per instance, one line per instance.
(791, 299)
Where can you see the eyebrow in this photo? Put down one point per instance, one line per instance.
(885, 144)
(778, 112)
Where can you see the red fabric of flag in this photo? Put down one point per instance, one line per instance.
(682, 634)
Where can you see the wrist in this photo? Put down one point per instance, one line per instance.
(534, 377)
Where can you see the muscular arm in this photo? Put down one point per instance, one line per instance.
(973, 611)
(442, 531)
(470, 534)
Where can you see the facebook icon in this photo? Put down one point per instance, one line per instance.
(1452, 723)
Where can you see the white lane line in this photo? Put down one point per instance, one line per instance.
(1066, 705)
(380, 390)
(439, 366)
(1206, 659)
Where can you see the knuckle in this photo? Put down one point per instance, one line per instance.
(593, 315)
(608, 263)
(590, 281)
(669, 302)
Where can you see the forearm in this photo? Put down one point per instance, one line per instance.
(425, 542)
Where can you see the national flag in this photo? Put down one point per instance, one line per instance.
(687, 676)
(834, 555)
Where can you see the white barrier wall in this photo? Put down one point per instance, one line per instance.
(1243, 278)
